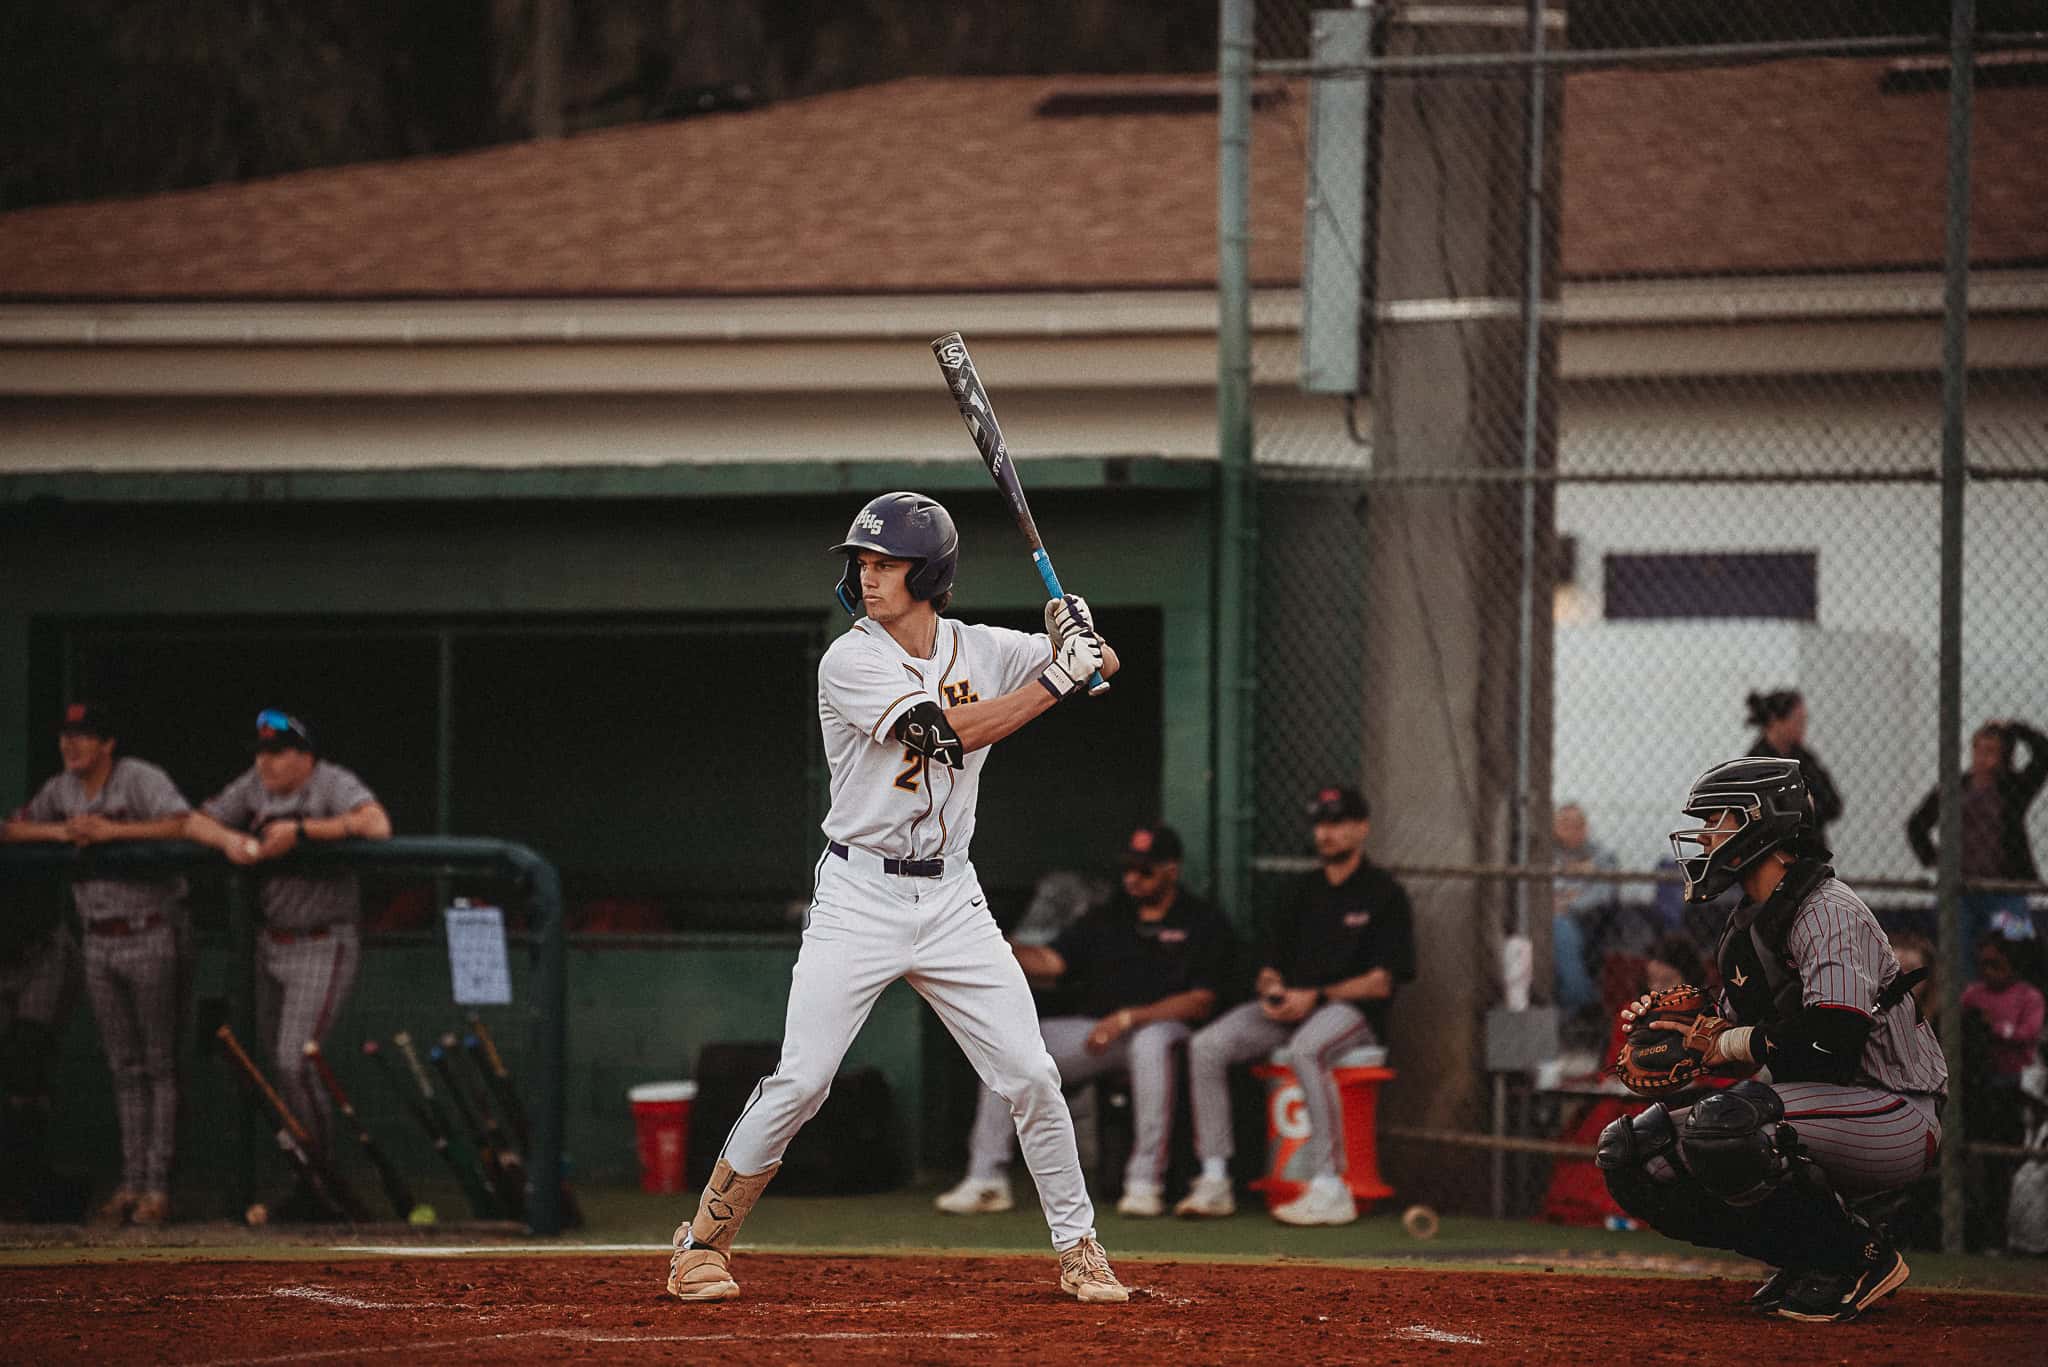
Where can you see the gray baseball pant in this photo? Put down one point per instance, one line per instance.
(1310, 1048)
(137, 985)
(1146, 1053)
(300, 988)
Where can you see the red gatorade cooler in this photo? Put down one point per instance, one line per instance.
(661, 1121)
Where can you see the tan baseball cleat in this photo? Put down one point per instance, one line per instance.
(1085, 1274)
(116, 1208)
(153, 1209)
(700, 1274)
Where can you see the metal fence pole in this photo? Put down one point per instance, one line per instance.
(1954, 379)
(242, 1019)
(1233, 811)
(547, 1003)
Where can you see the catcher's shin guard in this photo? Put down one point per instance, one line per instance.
(1796, 1221)
(698, 1270)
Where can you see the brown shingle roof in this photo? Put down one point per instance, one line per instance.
(957, 184)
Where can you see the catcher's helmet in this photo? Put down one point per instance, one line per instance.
(905, 526)
(1768, 799)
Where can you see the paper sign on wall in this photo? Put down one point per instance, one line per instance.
(477, 961)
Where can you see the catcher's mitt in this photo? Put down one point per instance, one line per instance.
(1657, 1062)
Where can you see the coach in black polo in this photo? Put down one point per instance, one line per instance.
(1331, 958)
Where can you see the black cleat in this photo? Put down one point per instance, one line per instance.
(1821, 1297)
(1766, 1299)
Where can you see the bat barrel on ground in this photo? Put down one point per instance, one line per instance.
(980, 416)
(293, 1140)
(417, 1096)
(395, 1185)
(509, 1185)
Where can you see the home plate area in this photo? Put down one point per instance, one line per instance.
(939, 1309)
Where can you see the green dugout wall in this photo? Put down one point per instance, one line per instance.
(615, 666)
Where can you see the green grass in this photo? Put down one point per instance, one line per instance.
(904, 1222)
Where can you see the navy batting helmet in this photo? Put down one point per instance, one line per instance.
(903, 526)
(1768, 800)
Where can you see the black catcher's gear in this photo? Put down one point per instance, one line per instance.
(1736, 1143)
(1769, 802)
(903, 526)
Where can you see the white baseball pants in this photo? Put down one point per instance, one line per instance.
(868, 928)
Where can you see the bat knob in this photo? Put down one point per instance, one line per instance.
(1098, 688)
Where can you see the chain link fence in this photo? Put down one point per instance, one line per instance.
(1598, 414)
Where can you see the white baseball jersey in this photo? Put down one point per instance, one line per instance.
(884, 797)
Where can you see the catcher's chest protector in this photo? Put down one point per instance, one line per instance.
(1761, 984)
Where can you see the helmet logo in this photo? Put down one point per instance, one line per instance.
(869, 523)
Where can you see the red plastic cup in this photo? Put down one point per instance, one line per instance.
(661, 1122)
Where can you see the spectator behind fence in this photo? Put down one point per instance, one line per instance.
(1674, 960)
(1583, 909)
(1142, 972)
(2002, 1016)
(1915, 951)
(137, 943)
(310, 946)
(1333, 954)
(1780, 721)
(1997, 791)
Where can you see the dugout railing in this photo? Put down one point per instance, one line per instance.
(503, 863)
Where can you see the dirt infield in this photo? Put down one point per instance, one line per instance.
(924, 1309)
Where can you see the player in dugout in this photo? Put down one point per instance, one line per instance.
(137, 943)
(1144, 970)
(311, 945)
(909, 702)
(1334, 953)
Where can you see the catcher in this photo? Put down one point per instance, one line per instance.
(1814, 997)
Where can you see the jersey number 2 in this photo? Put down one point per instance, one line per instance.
(913, 770)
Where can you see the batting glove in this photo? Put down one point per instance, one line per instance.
(1079, 656)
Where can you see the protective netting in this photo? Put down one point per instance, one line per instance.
(1606, 392)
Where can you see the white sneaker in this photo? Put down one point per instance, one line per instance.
(1324, 1203)
(1141, 1203)
(1209, 1196)
(976, 1196)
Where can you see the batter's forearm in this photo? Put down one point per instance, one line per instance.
(980, 724)
(25, 832)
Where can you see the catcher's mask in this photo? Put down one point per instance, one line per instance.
(1767, 798)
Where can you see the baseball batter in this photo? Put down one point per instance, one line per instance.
(310, 946)
(1856, 1079)
(137, 943)
(909, 702)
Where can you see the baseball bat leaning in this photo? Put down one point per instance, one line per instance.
(508, 1178)
(497, 1076)
(420, 1105)
(395, 1186)
(484, 1050)
(292, 1137)
(980, 416)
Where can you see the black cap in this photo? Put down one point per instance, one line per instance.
(86, 719)
(277, 730)
(1338, 804)
(1149, 845)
